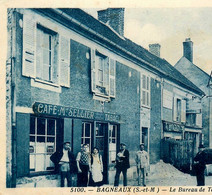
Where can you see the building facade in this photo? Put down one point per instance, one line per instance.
(201, 79)
(73, 78)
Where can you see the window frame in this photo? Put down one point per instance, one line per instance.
(111, 138)
(46, 136)
(54, 48)
(145, 90)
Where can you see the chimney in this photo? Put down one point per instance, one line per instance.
(114, 17)
(188, 49)
(155, 49)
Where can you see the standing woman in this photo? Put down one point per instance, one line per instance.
(96, 167)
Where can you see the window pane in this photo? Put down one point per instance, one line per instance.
(87, 141)
(32, 138)
(40, 126)
(40, 163)
(114, 132)
(49, 163)
(32, 162)
(40, 139)
(99, 131)
(87, 130)
(51, 127)
(32, 125)
(40, 147)
(50, 139)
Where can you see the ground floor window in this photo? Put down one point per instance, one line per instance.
(112, 143)
(86, 134)
(42, 143)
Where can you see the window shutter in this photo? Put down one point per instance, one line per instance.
(29, 27)
(199, 120)
(106, 75)
(64, 61)
(112, 78)
(175, 109)
(22, 141)
(183, 111)
(93, 71)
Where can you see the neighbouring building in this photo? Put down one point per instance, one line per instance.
(71, 77)
(201, 79)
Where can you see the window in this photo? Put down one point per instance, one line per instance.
(102, 75)
(191, 119)
(45, 41)
(42, 143)
(112, 143)
(86, 134)
(46, 54)
(145, 91)
(100, 128)
(178, 110)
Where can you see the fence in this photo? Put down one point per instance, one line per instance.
(179, 153)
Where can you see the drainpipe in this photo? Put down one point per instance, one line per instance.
(162, 82)
(13, 99)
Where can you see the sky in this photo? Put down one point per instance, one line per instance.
(170, 27)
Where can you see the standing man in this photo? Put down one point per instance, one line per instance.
(64, 158)
(84, 166)
(122, 164)
(142, 161)
(200, 166)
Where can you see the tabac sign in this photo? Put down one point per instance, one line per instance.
(62, 111)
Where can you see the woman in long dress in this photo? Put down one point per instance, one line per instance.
(96, 167)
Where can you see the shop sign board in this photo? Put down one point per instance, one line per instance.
(63, 111)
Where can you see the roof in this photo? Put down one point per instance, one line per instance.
(185, 59)
(128, 47)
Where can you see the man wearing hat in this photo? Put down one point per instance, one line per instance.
(122, 164)
(142, 162)
(200, 166)
(65, 161)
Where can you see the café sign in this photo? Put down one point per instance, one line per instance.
(62, 111)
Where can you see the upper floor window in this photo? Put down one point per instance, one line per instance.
(145, 90)
(102, 75)
(45, 41)
(46, 53)
(179, 110)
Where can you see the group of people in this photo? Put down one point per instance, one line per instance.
(89, 167)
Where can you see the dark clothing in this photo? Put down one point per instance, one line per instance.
(122, 164)
(118, 172)
(83, 176)
(56, 157)
(200, 168)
